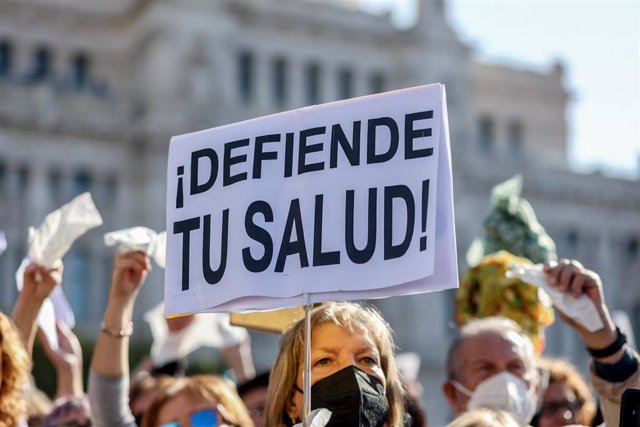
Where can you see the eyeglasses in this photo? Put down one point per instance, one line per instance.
(569, 409)
(201, 418)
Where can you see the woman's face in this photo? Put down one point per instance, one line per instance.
(181, 406)
(332, 349)
(560, 406)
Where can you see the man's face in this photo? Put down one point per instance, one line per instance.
(481, 357)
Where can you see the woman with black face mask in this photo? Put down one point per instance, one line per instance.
(353, 372)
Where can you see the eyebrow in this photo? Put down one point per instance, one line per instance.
(368, 349)
(365, 348)
(482, 362)
(331, 350)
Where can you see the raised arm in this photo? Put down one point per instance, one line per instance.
(38, 282)
(615, 365)
(109, 376)
(111, 354)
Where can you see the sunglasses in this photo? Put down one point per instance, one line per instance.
(202, 418)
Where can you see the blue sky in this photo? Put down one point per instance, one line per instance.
(599, 42)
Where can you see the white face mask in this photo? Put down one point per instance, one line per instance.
(503, 391)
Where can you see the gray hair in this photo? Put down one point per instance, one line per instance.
(506, 328)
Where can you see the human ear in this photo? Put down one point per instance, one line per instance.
(453, 398)
(292, 408)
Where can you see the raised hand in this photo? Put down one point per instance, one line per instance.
(111, 354)
(67, 360)
(129, 272)
(572, 277)
(39, 281)
(69, 353)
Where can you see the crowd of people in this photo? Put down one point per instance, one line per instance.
(496, 374)
(493, 375)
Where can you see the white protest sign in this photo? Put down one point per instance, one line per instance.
(348, 200)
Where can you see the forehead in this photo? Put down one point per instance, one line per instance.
(182, 405)
(558, 392)
(332, 335)
(491, 346)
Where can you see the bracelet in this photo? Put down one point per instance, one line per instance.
(611, 349)
(117, 333)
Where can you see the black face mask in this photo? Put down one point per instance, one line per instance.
(354, 398)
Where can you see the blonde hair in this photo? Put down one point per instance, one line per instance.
(563, 372)
(16, 366)
(291, 354)
(207, 387)
(484, 418)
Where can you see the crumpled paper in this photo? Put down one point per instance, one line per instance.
(49, 242)
(317, 418)
(207, 330)
(140, 239)
(580, 309)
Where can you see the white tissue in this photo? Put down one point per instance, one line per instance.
(61, 228)
(139, 239)
(580, 309)
(317, 418)
(49, 243)
(206, 330)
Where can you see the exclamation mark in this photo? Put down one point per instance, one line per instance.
(425, 209)
(180, 195)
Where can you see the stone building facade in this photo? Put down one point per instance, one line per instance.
(92, 91)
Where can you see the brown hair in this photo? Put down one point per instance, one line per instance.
(15, 374)
(562, 371)
(291, 354)
(208, 387)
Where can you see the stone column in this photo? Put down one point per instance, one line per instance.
(37, 193)
(360, 82)
(295, 83)
(606, 269)
(261, 82)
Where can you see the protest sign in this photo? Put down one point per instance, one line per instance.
(347, 200)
